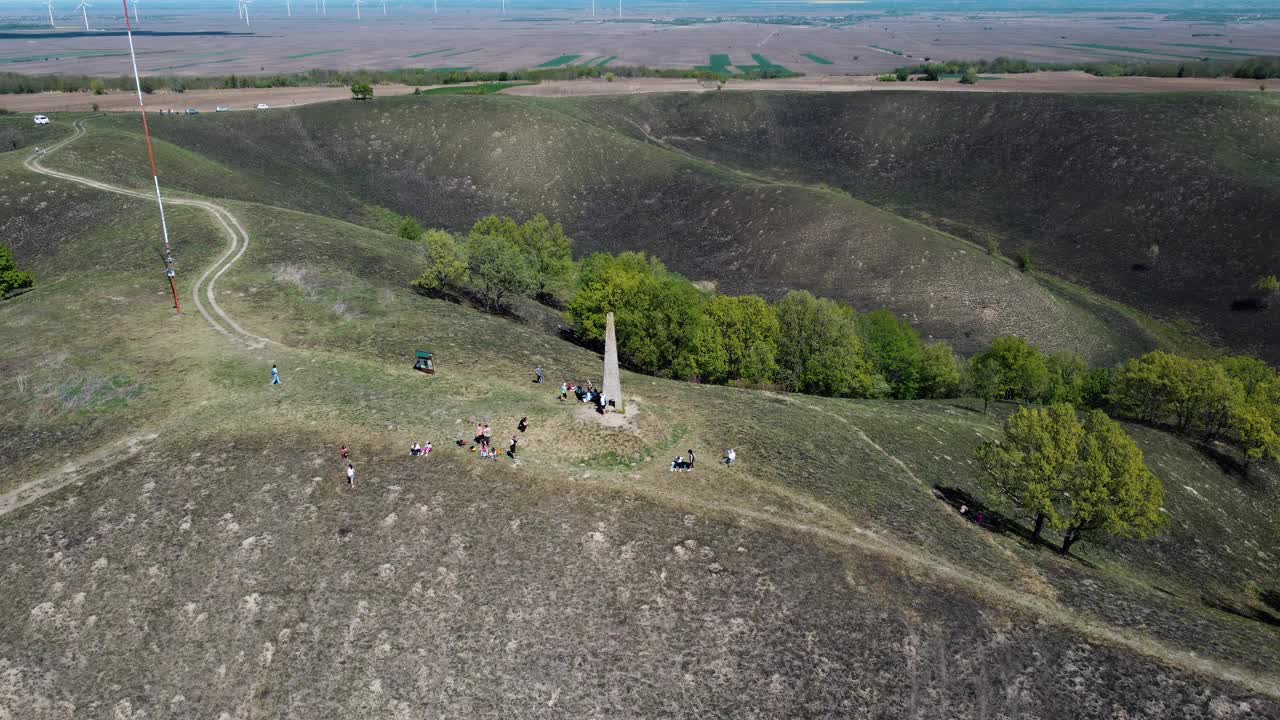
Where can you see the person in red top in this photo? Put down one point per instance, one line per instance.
(344, 452)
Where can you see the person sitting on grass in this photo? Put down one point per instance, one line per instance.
(730, 456)
(426, 449)
(564, 391)
(523, 424)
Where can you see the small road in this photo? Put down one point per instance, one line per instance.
(238, 241)
(237, 236)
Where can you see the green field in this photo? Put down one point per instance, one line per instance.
(719, 64)
(1131, 50)
(606, 61)
(559, 61)
(888, 50)
(818, 59)
(315, 53)
(430, 52)
(463, 52)
(764, 65)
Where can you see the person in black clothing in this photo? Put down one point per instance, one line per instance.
(523, 425)
(691, 458)
(512, 452)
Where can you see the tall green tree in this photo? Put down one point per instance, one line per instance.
(1019, 366)
(497, 267)
(446, 269)
(819, 348)
(659, 315)
(1256, 433)
(1030, 467)
(748, 328)
(551, 251)
(1078, 478)
(895, 351)
(1068, 373)
(940, 371)
(1111, 492)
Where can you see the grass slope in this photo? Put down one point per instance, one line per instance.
(749, 233)
(1087, 183)
(222, 568)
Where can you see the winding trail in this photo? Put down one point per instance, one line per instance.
(36, 488)
(237, 236)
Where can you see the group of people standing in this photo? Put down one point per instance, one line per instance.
(483, 440)
(586, 394)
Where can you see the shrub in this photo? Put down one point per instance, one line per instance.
(608, 77)
(12, 278)
(903, 74)
(1269, 284)
(890, 77)
(409, 229)
(970, 77)
(1024, 260)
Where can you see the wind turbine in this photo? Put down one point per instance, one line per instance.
(358, 3)
(239, 9)
(324, 7)
(49, 3)
(619, 8)
(504, 7)
(245, 3)
(134, 3)
(384, 7)
(84, 13)
(593, 8)
(288, 8)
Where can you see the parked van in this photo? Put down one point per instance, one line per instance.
(42, 119)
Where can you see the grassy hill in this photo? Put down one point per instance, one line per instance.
(448, 160)
(1087, 183)
(220, 566)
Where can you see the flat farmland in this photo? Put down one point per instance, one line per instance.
(808, 39)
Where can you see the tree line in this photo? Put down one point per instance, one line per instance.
(669, 327)
(17, 83)
(1256, 68)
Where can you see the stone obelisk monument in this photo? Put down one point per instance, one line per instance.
(612, 382)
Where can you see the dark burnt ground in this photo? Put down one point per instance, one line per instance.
(1088, 183)
(241, 578)
(448, 160)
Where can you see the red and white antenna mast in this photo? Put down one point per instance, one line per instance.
(170, 271)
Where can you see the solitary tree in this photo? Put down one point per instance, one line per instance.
(1041, 447)
(1112, 492)
(1079, 479)
(361, 91)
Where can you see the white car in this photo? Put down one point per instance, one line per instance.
(221, 108)
(42, 119)
(262, 106)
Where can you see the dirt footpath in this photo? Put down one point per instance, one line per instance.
(202, 100)
(1030, 82)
